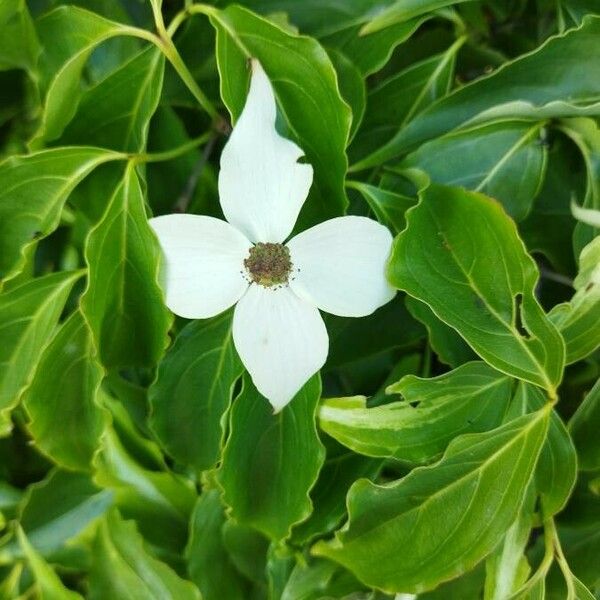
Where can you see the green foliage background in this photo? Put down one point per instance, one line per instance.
(455, 454)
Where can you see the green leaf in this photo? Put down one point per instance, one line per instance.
(124, 568)
(209, 564)
(19, 46)
(48, 584)
(400, 98)
(193, 391)
(65, 420)
(479, 281)
(160, 501)
(445, 341)
(584, 429)
(116, 112)
(306, 87)
(61, 65)
(445, 517)
(328, 496)
(389, 207)
(123, 303)
(403, 10)
(507, 568)
(505, 160)
(56, 510)
(577, 320)
(33, 190)
(247, 550)
(271, 461)
(556, 471)
(470, 399)
(28, 315)
(569, 87)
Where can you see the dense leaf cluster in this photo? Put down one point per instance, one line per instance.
(455, 454)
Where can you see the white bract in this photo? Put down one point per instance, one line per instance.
(337, 266)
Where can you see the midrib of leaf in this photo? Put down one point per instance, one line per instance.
(140, 97)
(509, 154)
(479, 466)
(446, 58)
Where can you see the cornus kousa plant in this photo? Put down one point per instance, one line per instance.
(299, 300)
(337, 266)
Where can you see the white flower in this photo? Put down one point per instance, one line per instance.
(337, 266)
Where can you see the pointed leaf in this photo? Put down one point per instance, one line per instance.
(28, 315)
(482, 284)
(470, 399)
(271, 461)
(193, 391)
(124, 568)
(123, 303)
(505, 160)
(33, 190)
(446, 517)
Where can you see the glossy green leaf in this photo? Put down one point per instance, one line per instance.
(193, 391)
(389, 207)
(247, 550)
(306, 87)
(479, 281)
(19, 46)
(328, 496)
(65, 420)
(507, 568)
(57, 509)
(209, 564)
(47, 583)
(125, 568)
(505, 160)
(116, 112)
(583, 427)
(123, 302)
(556, 471)
(445, 341)
(470, 399)
(403, 10)
(271, 461)
(160, 501)
(577, 320)
(371, 52)
(398, 99)
(33, 190)
(61, 65)
(567, 88)
(28, 315)
(445, 517)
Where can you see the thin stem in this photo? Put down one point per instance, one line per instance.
(158, 18)
(173, 152)
(564, 565)
(185, 198)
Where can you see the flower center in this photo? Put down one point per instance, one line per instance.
(269, 264)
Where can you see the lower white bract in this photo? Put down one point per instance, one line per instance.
(337, 266)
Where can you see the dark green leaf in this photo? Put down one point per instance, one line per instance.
(271, 461)
(28, 315)
(479, 281)
(446, 517)
(193, 391)
(65, 420)
(123, 303)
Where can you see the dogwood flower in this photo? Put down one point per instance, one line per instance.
(337, 266)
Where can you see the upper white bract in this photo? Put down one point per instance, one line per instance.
(338, 265)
